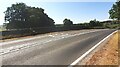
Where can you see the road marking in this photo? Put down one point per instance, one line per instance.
(27, 39)
(9, 42)
(16, 48)
(85, 54)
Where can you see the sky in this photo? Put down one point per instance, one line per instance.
(78, 11)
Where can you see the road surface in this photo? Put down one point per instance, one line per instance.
(50, 50)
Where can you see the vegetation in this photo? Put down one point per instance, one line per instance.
(94, 23)
(26, 20)
(22, 16)
(115, 14)
(67, 22)
(115, 11)
(2, 28)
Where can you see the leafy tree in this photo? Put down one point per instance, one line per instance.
(20, 15)
(115, 11)
(15, 15)
(94, 23)
(38, 18)
(67, 22)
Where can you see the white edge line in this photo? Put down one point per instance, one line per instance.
(81, 57)
(56, 39)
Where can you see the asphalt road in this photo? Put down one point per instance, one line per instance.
(56, 51)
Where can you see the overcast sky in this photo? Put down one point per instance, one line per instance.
(78, 11)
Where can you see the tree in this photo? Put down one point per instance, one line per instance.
(94, 23)
(67, 22)
(115, 11)
(16, 15)
(20, 15)
(38, 18)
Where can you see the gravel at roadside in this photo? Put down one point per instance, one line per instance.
(107, 55)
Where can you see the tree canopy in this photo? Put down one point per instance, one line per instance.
(115, 11)
(94, 23)
(20, 15)
(67, 22)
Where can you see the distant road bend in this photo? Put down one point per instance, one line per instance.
(57, 49)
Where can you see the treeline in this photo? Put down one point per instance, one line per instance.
(26, 20)
(21, 16)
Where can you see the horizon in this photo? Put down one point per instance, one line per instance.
(78, 12)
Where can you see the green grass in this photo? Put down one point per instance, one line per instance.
(113, 26)
(1, 29)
